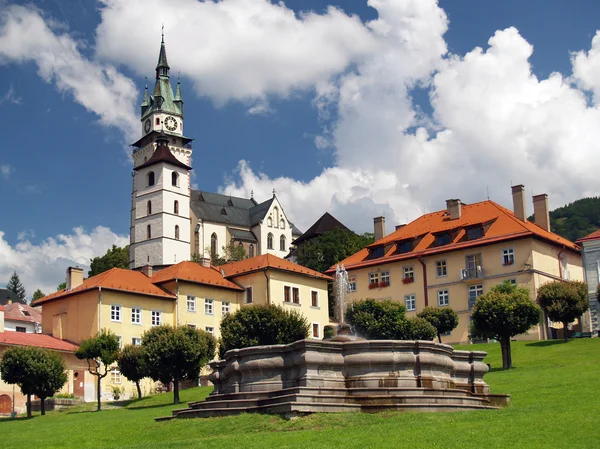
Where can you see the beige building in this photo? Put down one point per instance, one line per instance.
(450, 257)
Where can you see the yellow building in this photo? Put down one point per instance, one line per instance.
(130, 302)
(450, 257)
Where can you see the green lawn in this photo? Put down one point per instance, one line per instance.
(555, 389)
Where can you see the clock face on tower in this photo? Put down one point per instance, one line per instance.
(147, 126)
(171, 123)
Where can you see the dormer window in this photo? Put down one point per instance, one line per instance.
(404, 246)
(376, 252)
(475, 232)
(443, 239)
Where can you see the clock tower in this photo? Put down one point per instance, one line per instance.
(160, 203)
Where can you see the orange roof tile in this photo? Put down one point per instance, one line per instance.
(194, 272)
(593, 236)
(22, 312)
(257, 263)
(10, 338)
(503, 225)
(114, 279)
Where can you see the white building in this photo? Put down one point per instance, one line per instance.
(590, 245)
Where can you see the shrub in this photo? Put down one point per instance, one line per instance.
(443, 320)
(420, 329)
(563, 301)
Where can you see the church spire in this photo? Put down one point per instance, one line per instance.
(146, 100)
(162, 68)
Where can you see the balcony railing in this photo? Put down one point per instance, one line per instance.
(472, 273)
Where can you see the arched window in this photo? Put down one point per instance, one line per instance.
(176, 207)
(269, 222)
(175, 178)
(251, 250)
(270, 241)
(149, 207)
(148, 232)
(282, 223)
(241, 245)
(150, 178)
(176, 232)
(276, 216)
(282, 243)
(213, 245)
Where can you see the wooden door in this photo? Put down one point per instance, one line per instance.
(78, 389)
(5, 404)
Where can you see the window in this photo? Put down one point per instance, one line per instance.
(269, 222)
(314, 298)
(385, 279)
(115, 376)
(315, 330)
(157, 121)
(225, 308)
(474, 233)
(210, 330)
(21, 329)
(282, 223)
(287, 294)
(276, 215)
(176, 207)
(249, 295)
(115, 312)
(191, 326)
(474, 292)
(443, 298)
(512, 281)
(149, 207)
(373, 280)
(136, 315)
(136, 341)
(375, 253)
(150, 179)
(282, 243)
(296, 295)
(404, 246)
(251, 250)
(474, 266)
(156, 317)
(120, 340)
(410, 302)
(176, 232)
(270, 241)
(213, 245)
(408, 274)
(508, 256)
(148, 232)
(440, 267)
(175, 178)
(191, 303)
(209, 306)
(443, 239)
(351, 283)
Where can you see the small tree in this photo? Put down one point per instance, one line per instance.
(61, 286)
(100, 351)
(563, 301)
(14, 285)
(49, 375)
(444, 320)
(261, 325)
(231, 253)
(115, 257)
(37, 295)
(16, 367)
(132, 365)
(503, 312)
(176, 354)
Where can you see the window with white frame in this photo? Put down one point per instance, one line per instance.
(409, 274)
(191, 303)
(440, 267)
(209, 306)
(296, 295)
(443, 298)
(225, 308)
(314, 298)
(475, 291)
(136, 341)
(115, 312)
(508, 256)
(136, 315)
(385, 279)
(249, 297)
(512, 281)
(410, 301)
(210, 330)
(373, 280)
(191, 326)
(156, 317)
(115, 376)
(315, 330)
(351, 283)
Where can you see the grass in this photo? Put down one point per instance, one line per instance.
(554, 391)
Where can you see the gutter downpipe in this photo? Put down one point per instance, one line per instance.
(177, 301)
(99, 308)
(559, 264)
(268, 287)
(420, 259)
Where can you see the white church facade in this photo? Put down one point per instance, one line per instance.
(170, 222)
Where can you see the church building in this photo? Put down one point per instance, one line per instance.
(171, 222)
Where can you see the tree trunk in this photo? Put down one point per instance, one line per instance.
(29, 405)
(566, 331)
(506, 354)
(175, 390)
(99, 394)
(439, 337)
(43, 406)
(139, 389)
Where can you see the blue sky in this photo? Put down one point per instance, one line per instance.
(65, 165)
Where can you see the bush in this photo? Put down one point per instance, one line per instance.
(420, 329)
(564, 301)
(261, 325)
(443, 320)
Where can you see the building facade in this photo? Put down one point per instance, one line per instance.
(591, 263)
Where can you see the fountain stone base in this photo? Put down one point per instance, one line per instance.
(313, 376)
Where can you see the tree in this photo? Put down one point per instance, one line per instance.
(176, 354)
(61, 286)
(116, 257)
(261, 325)
(50, 375)
(14, 285)
(37, 295)
(563, 301)
(444, 319)
(132, 365)
(231, 253)
(100, 350)
(503, 312)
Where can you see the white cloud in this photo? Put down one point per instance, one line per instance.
(586, 67)
(26, 36)
(6, 170)
(11, 96)
(44, 265)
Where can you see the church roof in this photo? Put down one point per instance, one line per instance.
(163, 154)
(152, 135)
(240, 234)
(217, 208)
(326, 223)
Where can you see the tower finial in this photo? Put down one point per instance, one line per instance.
(273, 192)
(163, 34)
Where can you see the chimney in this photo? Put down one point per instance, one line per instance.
(518, 194)
(1, 319)
(541, 215)
(400, 226)
(205, 262)
(454, 208)
(74, 277)
(379, 227)
(147, 270)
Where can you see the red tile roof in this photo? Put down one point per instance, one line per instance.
(268, 261)
(10, 338)
(22, 312)
(114, 279)
(500, 222)
(593, 236)
(194, 272)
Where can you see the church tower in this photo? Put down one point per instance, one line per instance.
(160, 202)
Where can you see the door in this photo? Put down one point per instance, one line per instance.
(78, 390)
(5, 404)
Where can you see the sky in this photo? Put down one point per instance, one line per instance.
(359, 108)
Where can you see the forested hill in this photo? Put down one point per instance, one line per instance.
(577, 219)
